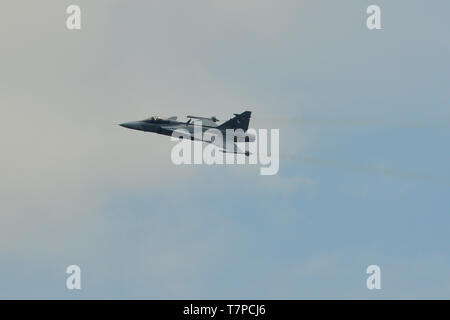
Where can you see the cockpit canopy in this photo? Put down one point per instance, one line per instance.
(156, 119)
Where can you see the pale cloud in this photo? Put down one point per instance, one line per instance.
(76, 186)
(64, 92)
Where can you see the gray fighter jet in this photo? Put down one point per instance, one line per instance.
(210, 131)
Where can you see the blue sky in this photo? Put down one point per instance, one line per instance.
(78, 189)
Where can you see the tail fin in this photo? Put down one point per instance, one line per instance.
(239, 121)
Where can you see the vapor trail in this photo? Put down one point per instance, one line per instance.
(374, 169)
(354, 122)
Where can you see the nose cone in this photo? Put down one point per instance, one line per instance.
(135, 125)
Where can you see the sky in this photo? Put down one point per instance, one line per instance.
(364, 124)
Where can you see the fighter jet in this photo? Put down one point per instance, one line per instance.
(209, 130)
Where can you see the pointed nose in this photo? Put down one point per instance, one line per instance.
(136, 125)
